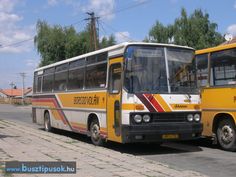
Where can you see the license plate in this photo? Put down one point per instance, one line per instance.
(170, 136)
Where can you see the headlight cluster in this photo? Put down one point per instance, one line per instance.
(193, 117)
(145, 118)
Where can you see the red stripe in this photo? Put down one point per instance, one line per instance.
(75, 128)
(146, 102)
(154, 102)
(52, 100)
(79, 129)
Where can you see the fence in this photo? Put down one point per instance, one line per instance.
(17, 101)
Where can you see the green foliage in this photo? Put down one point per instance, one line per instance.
(55, 43)
(195, 30)
(107, 41)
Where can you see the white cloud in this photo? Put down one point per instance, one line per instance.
(235, 5)
(140, 1)
(103, 8)
(7, 5)
(232, 29)
(8, 17)
(32, 63)
(123, 36)
(10, 32)
(52, 2)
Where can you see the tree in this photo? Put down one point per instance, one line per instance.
(55, 43)
(195, 30)
(107, 41)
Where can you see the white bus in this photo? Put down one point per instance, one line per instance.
(131, 92)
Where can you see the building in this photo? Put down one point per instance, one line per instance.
(229, 42)
(13, 93)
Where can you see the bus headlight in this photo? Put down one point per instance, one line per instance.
(197, 117)
(146, 118)
(138, 118)
(190, 117)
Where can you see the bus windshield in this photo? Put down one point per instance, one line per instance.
(182, 72)
(146, 70)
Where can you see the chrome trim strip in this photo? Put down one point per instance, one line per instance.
(219, 109)
(72, 109)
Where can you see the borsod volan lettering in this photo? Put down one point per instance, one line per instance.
(89, 100)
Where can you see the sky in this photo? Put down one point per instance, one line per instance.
(126, 19)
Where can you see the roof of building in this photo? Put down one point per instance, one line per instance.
(229, 42)
(15, 92)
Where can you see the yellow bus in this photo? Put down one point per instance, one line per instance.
(216, 73)
(130, 92)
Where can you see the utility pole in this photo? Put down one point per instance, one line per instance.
(93, 31)
(12, 85)
(23, 75)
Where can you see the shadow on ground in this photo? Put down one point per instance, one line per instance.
(144, 148)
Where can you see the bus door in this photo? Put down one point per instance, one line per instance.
(114, 99)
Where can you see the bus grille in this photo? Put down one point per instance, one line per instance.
(169, 117)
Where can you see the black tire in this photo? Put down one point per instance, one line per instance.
(96, 138)
(47, 123)
(226, 135)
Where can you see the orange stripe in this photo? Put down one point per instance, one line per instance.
(128, 106)
(185, 106)
(54, 112)
(162, 102)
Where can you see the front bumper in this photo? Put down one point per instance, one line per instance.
(161, 132)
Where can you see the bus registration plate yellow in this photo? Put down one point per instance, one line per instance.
(170, 136)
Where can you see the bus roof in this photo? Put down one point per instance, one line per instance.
(111, 48)
(215, 49)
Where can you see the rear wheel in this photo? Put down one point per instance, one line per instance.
(47, 123)
(95, 133)
(226, 135)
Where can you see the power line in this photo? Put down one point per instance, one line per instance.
(114, 30)
(127, 8)
(105, 33)
(117, 11)
(16, 43)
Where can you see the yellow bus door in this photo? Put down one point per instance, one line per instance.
(114, 100)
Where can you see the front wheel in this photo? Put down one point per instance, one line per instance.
(95, 133)
(47, 123)
(226, 135)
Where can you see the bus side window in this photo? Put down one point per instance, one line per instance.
(39, 83)
(115, 78)
(223, 67)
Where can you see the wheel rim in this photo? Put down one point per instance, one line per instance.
(95, 132)
(226, 134)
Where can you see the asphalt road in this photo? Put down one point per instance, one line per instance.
(200, 155)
